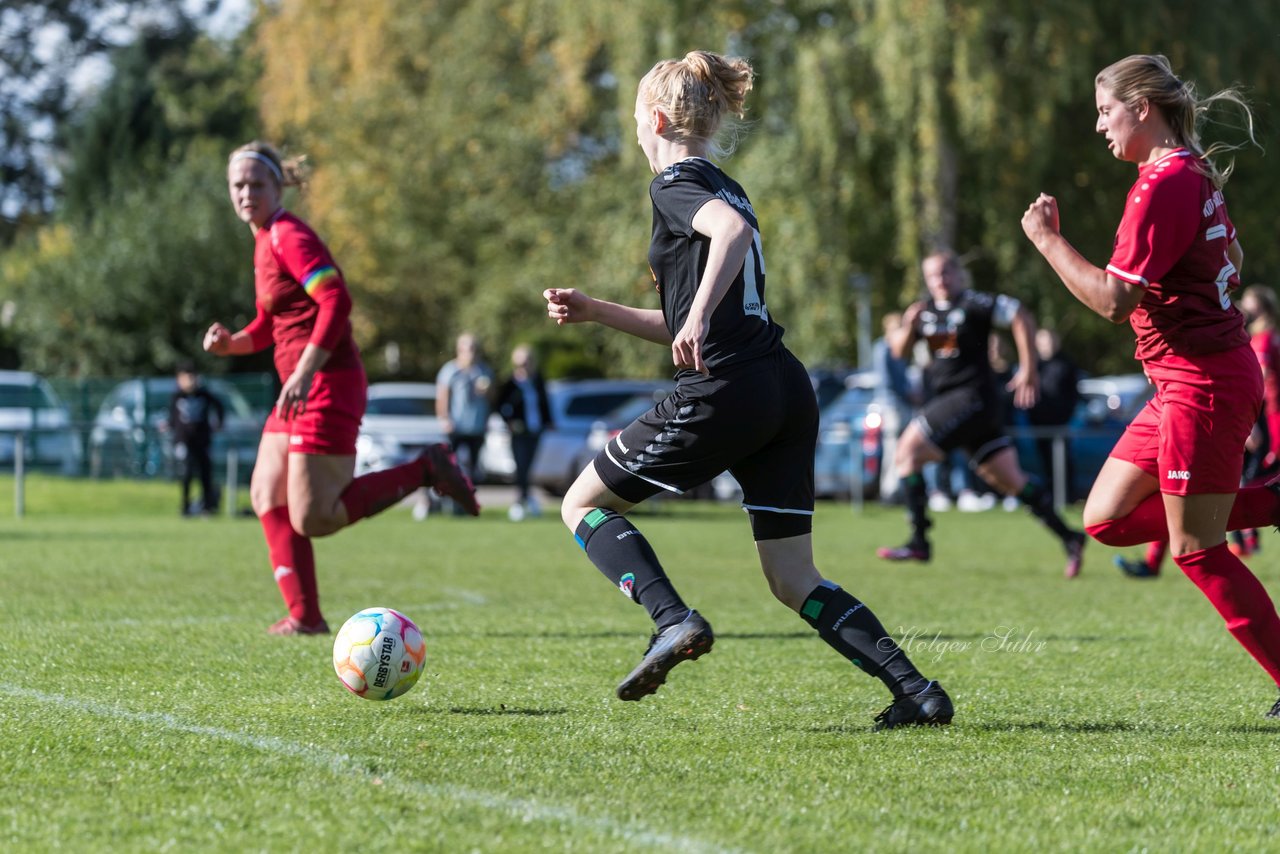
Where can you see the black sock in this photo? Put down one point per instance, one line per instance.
(917, 506)
(625, 557)
(1040, 503)
(852, 630)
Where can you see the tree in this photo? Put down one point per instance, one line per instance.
(147, 245)
(43, 43)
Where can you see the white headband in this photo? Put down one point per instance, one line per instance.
(261, 158)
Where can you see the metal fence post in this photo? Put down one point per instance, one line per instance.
(856, 476)
(1059, 468)
(232, 485)
(19, 476)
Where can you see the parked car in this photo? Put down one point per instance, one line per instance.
(130, 432)
(1107, 405)
(29, 406)
(576, 405)
(831, 386)
(850, 441)
(399, 422)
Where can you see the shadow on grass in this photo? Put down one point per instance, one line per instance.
(998, 726)
(944, 636)
(631, 635)
(1061, 726)
(484, 711)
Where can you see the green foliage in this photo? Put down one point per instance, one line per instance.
(132, 289)
(468, 155)
(148, 709)
(43, 43)
(146, 251)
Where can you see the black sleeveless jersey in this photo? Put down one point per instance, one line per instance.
(957, 333)
(741, 328)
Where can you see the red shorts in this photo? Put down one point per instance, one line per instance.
(331, 421)
(1190, 437)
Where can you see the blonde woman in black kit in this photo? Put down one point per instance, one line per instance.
(742, 401)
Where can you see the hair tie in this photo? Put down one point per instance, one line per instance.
(261, 158)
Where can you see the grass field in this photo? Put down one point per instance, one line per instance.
(144, 708)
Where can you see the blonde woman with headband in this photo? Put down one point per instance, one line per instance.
(303, 482)
(742, 401)
(1176, 471)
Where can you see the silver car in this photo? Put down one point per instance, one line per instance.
(576, 405)
(131, 436)
(31, 408)
(399, 422)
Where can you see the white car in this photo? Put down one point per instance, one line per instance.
(31, 408)
(399, 422)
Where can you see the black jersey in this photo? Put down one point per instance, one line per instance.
(741, 328)
(957, 333)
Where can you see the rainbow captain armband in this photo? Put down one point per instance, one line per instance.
(317, 278)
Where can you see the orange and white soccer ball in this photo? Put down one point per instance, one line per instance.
(379, 653)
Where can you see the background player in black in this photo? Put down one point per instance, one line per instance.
(742, 402)
(194, 414)
(964, 410)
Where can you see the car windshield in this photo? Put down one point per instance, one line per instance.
(851, 400)
(630, 410)
(414, 406)
(14, 396)
(160, 391)
(596, 404)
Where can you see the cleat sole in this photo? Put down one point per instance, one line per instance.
(648, 678)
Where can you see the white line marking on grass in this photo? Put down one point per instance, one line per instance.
(342, 764)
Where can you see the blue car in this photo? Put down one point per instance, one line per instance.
(850, 441)
(1107, 405)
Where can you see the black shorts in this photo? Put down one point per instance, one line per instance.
(968, 417)
(757, 420)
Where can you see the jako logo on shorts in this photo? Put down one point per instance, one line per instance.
(1179, 475)
(626, 584)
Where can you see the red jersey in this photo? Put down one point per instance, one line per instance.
(1266, 346)
(301, 297)
(1172, 242)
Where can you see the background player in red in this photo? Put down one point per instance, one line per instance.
(303, 483)
(1261, 313)
(1176, 256)
(742, 401)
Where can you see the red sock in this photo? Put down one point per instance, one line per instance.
(1241, 600)
(376, 491)
(294, 564)
(1255, 507)
(1156, 550)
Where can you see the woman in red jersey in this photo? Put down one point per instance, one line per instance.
(303, 483)
(1261, 312)
(1176, 470)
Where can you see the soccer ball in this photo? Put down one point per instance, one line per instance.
(378, 654)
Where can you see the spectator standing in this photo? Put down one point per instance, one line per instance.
(195, 414)
(462, 403)
(525, 408)
(1059, 394)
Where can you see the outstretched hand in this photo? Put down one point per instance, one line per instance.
(567, 305)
